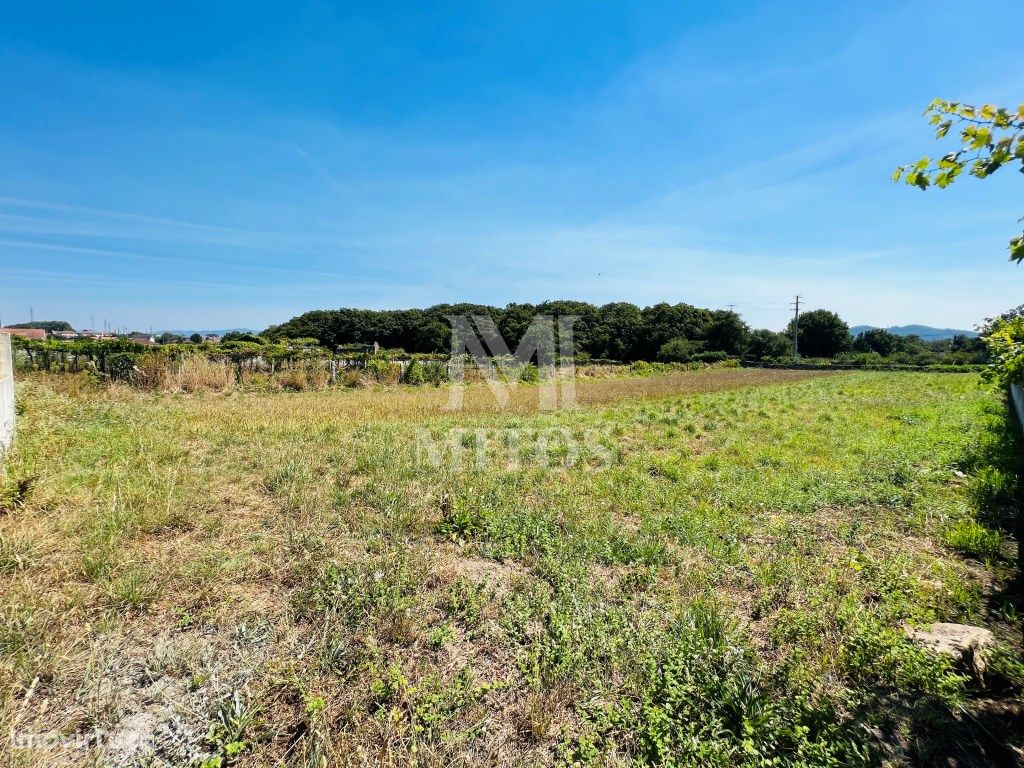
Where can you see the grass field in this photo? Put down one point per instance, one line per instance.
(721, 576)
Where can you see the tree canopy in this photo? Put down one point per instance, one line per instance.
(616, 331)
(46, 325)
(990, 137)
(821, 333)
(878, 340)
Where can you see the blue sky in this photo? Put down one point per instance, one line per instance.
(177, 165)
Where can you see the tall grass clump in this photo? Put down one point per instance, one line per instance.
(151, 371)
(198, 374)
(302, 378)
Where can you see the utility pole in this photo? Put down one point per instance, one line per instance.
(796, 324)
(31, 315)
(731, 306)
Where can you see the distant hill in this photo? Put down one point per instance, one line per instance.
(926, 332)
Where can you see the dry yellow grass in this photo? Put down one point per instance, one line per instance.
(385, 403)
(197, 374)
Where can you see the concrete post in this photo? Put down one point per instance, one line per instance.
(1017, 398)
(6, 392)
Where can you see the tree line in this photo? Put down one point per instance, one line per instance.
(617, 331)
(625, 332)
(621, 332)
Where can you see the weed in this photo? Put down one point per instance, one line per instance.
(14, 490)
(973, 539)
(17, 553)
(461, 518)
(231, 727)
(135, 588)
(466, 602)
(376, 594)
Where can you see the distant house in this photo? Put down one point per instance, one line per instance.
(26, 333)
(66, 335)
(142, 338)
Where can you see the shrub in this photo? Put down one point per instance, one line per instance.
(299, 379)
(972, 538)
(1005, 341)
(120, 367)
(257, 382)
(426, 372)
(680, 350)
(317, 377)
(383, 371)
(348, 377)
(642, 368)
(530, 374)
(414, 373)
(435, 372)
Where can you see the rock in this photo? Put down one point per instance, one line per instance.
(963, 643)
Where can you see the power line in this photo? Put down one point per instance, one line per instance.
(796, 324)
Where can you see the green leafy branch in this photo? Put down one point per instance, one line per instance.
(990, 137)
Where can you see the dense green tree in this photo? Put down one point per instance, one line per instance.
(679, 350)
(586, 323)
(763, 344)
(878, 340)
(664, 322)
(990, 137)
(726, 333)
(436, 336)
(619, 331)
(821, 334)
(513, 321)
(196, 338)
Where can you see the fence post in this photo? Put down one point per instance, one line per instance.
(6, 393)
(1017, 404)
